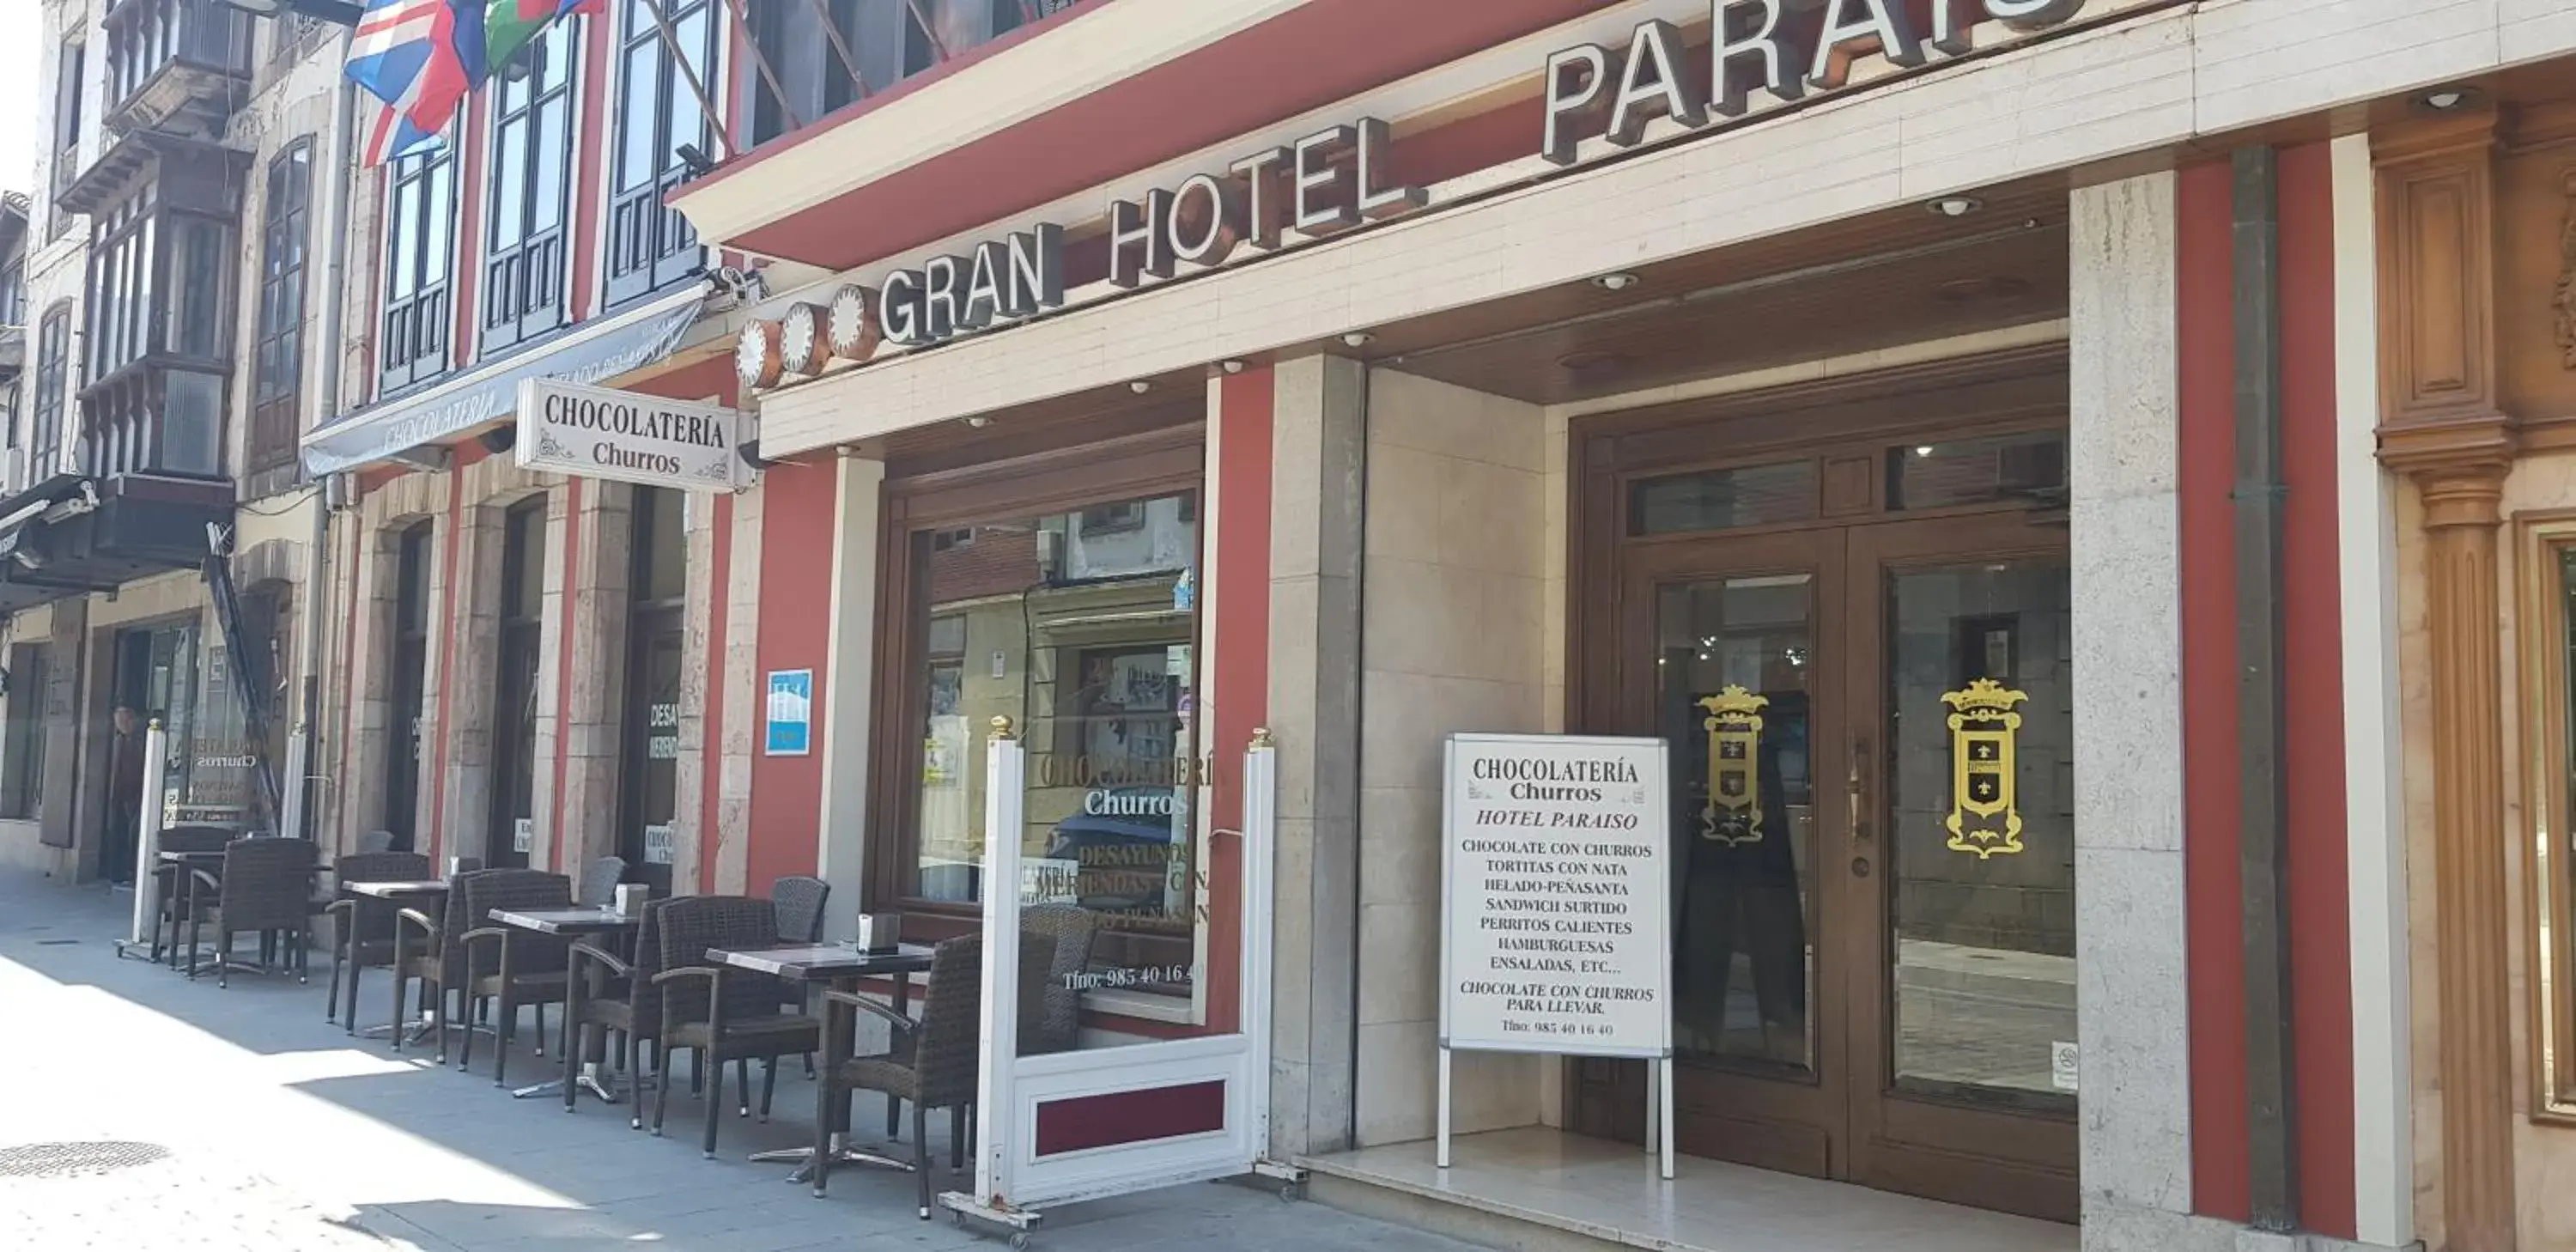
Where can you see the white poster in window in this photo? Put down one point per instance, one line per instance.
(657, 845)
(523, 836)
(1556, 866)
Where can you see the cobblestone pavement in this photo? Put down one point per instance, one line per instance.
(251, 1124)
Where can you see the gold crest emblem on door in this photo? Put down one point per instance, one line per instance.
(1983, 818)
(1733, 814)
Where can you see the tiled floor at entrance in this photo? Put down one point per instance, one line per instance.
(1609, 1191)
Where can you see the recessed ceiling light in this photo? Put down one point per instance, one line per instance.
(1615, 282)
(1231, 367)
(1359, 339)
(979, 421)
(2450, 99)
(1141, 386)
(1954, 206)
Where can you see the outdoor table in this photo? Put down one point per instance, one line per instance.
(835, 966)
(402, 893)
(572, 923)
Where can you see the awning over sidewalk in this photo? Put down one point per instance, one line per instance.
(593, 353)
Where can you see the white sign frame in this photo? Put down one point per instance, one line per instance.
(694, 466)
(1653, 914)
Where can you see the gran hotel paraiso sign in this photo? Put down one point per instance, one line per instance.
(1340, 176)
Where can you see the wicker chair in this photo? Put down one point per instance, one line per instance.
(599, 881)
(930, 1062)
(264, 888)
(172, 883)
(613, 995)
(718, 1013)
(432, 950)
(362, 928)
(1056, 1026)
(800, 920)
(510, 967)
(376, 841)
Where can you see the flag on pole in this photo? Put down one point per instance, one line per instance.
(406, 53)
(510, 25)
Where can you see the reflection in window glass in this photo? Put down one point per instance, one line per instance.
(1981, 829)
(1751, 495)
(1743, 816)
(1993, 470)
(1078, 627)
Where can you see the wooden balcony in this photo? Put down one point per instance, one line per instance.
(175, 65)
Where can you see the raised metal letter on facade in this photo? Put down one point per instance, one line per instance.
(1733, 814)
(1983, 728)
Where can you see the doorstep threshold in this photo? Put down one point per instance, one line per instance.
(1576, 1192)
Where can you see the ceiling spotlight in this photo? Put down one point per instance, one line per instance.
(979, 421)
(1140, 386)
(1955, 206)
(1615, 282)
(1231, 367)
(2450, 99)
(1359, 339)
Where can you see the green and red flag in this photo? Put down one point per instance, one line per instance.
(510, 25)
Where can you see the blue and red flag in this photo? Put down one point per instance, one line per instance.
(406, 53)
(422, 57)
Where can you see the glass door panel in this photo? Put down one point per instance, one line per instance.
(1732, 663)
(1981, 838)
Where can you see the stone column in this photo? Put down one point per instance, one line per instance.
(2441, 425)
(2125, 404)
(1318, 446)
(842, 726)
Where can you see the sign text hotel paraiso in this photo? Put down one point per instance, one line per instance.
(1760, 55)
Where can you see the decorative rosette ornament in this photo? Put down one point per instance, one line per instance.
(756, 358)
(855, 332)
(800, 340)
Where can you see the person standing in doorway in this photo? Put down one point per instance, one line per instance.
(124, 795)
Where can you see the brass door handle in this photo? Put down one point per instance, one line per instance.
(1855, 791)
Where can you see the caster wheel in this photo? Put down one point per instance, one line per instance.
(1287, 1193)
(956, 1218)
(1020, 1242)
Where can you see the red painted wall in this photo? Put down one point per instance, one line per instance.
(2212, 883)
(1240, 685)
(2312, 593)
(797, 506)
(2312, 676)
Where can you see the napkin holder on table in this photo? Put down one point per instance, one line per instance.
(876, 932)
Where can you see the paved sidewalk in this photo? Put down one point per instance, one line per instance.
(254, 1125)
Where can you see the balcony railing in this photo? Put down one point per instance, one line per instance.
(175, 64)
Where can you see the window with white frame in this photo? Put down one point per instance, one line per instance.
(526, 243)
(420, 259)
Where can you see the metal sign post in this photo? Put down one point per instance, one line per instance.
(147, 844)
(1555, 909)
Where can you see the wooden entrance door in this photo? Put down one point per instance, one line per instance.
(1860, 651)
(1861, 991)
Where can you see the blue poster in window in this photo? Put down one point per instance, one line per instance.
(791, 712)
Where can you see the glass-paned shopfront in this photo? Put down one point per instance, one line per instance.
(654, 658)
(1080, 625)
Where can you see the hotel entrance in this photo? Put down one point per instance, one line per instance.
(1847, 609)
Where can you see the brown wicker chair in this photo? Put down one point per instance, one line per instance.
(722, 1014)
(263, 890)
(362, 928)
(432, 950)
(173, 884)
(511, 967)
(616, 996)
(930, 1062)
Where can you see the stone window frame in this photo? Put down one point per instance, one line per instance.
(2546, 542)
